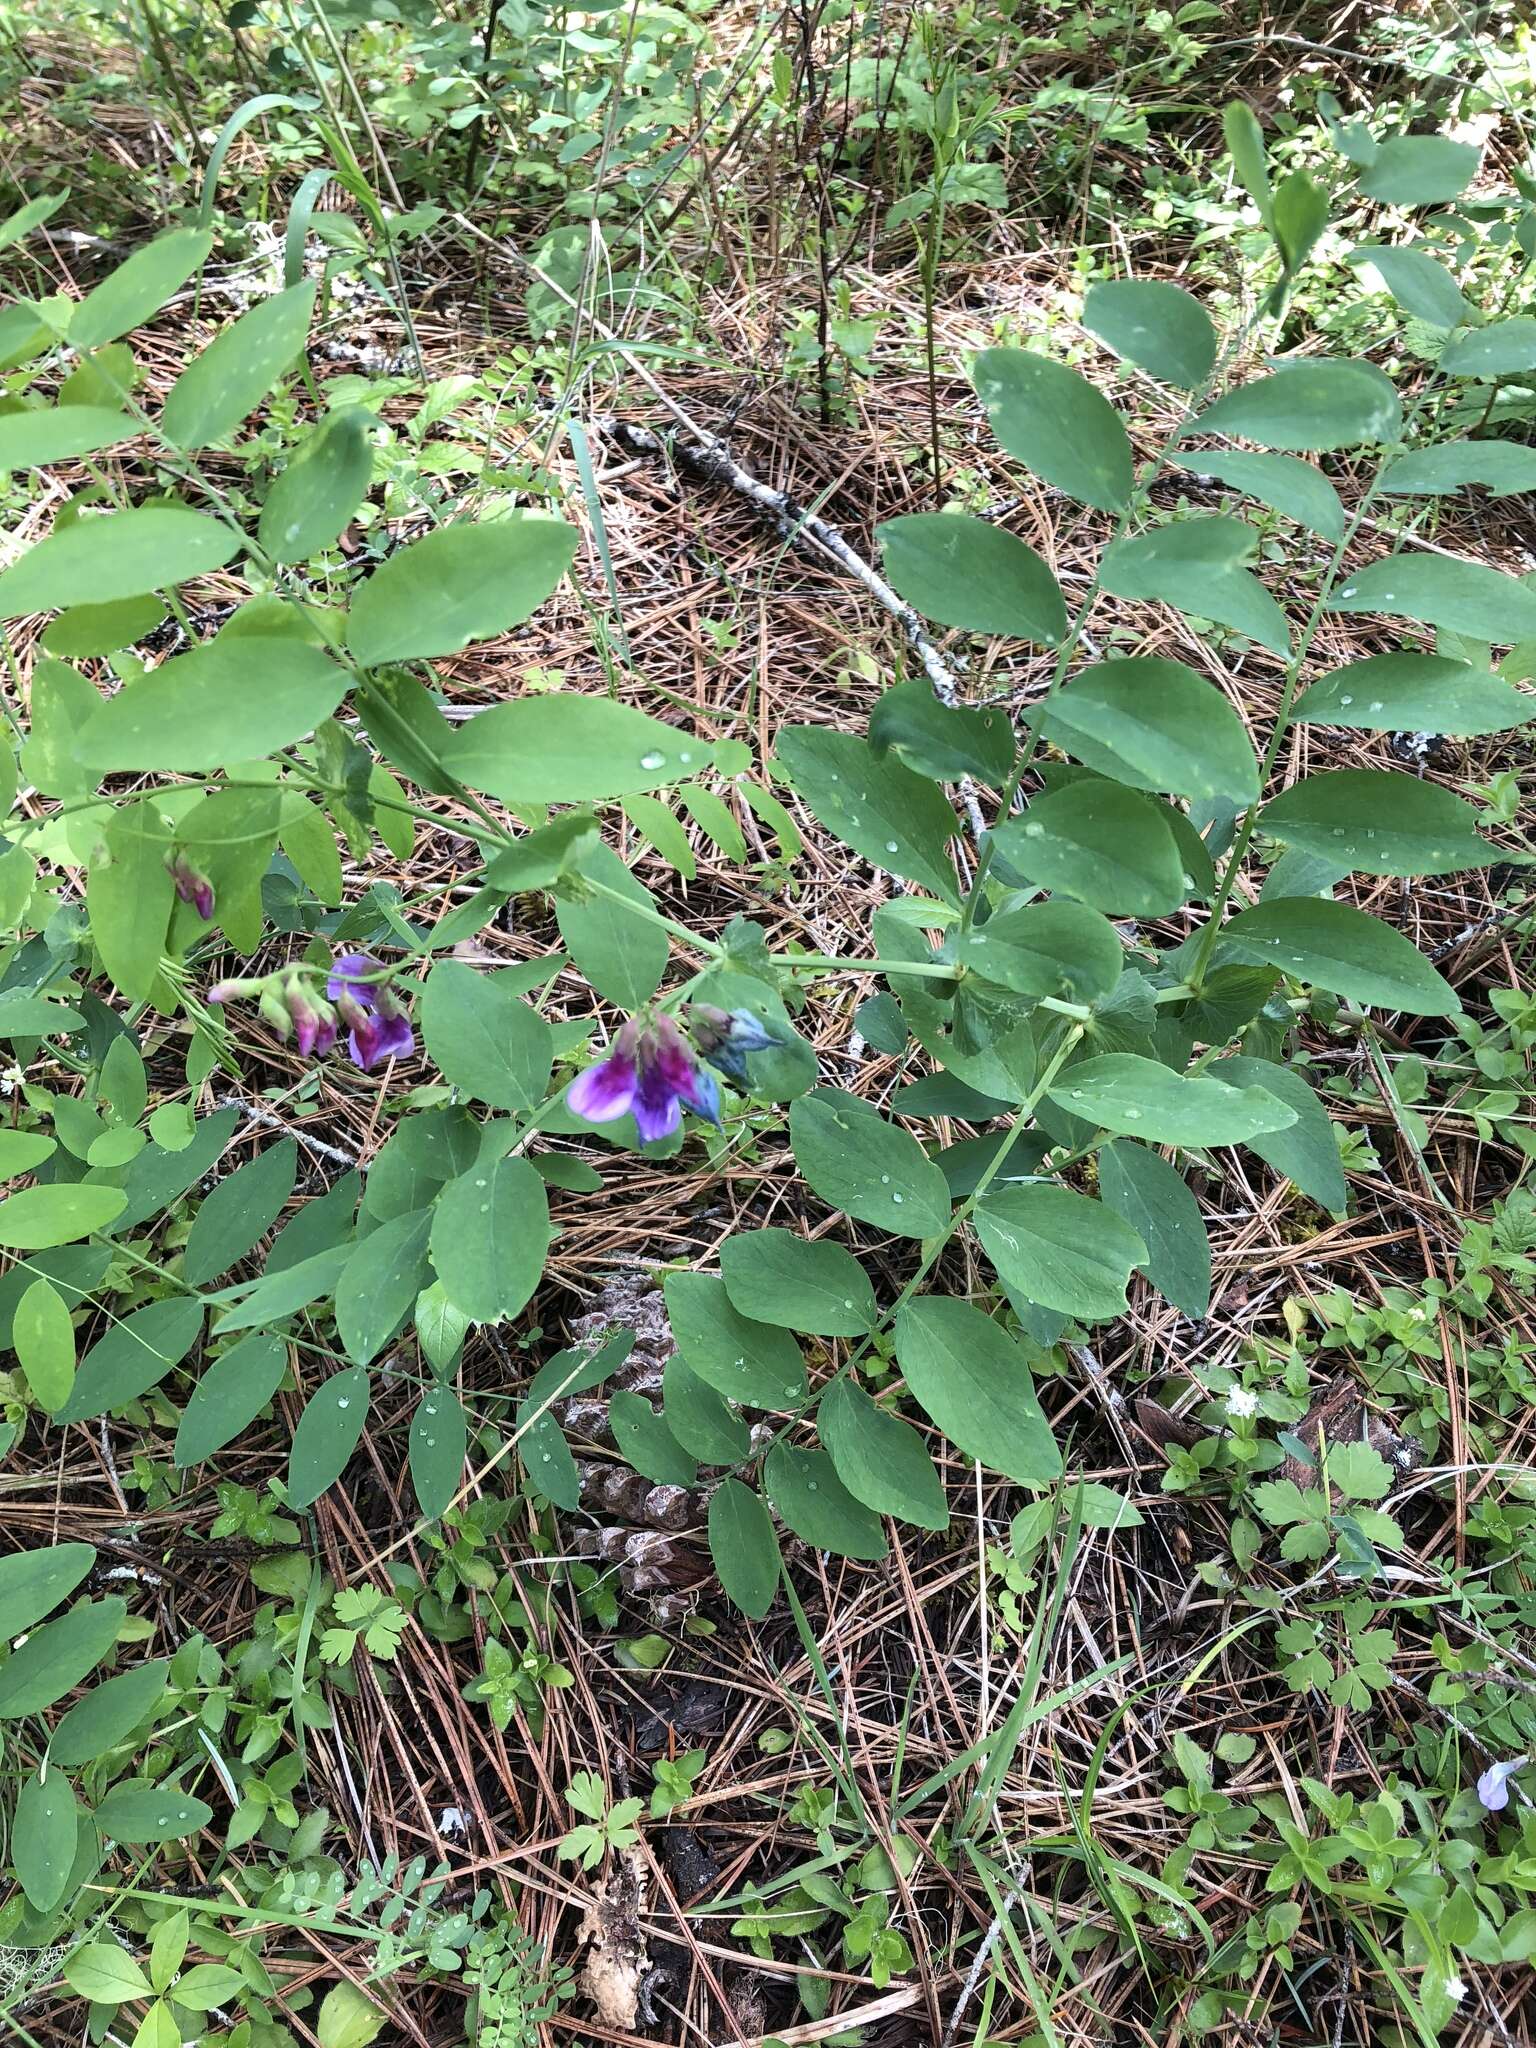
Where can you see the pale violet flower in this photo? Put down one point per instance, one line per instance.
(1493, 1785)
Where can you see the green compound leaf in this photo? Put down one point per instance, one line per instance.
(1057, 424)
(379, 1283)
(139, 288)
(104, 1973)
(973, 1381)
(128, 897)
(44, 1341)
(623, 953)
(35, 1219)
(700, 1419)
(1505, 348)
(645, 1439)
(1421, 284)
(1245, 145)
(941, 740)
(867, 1167)
(1500, 467)
(311, 500)
(244, 695)
(142, 1811)
(59, 433)
(1420, 170)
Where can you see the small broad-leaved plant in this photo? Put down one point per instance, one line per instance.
(1083, 946)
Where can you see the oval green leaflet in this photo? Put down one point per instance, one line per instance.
(109, 1714)
(312, 499)
(55, 1657)
(1057, 424)
(456, 585)
(880, 1458)
(963, 571)
(439, 1439)
(100, 559)
(817, 1287)
(327, 1434)
(44, 1836)
(810, 1498)
(867, 1167)
(43, 1337)
(744, 1547)
(231, 377)
(33, 1581)
(139, 1810)
(974, 1382)
(230, 1395)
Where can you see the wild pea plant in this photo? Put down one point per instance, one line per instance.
(1093, 969)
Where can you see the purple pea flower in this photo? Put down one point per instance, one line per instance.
(652, 1072)
(378, 1027)
(191, 886)
(314, 1022)
(287, 1001)
(1493, 1785)
(725, 1037)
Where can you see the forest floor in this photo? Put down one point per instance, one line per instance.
(849, 1721)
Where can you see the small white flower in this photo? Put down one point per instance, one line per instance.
(452, 1821)
(1455, 1990)
(1241, 1401)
